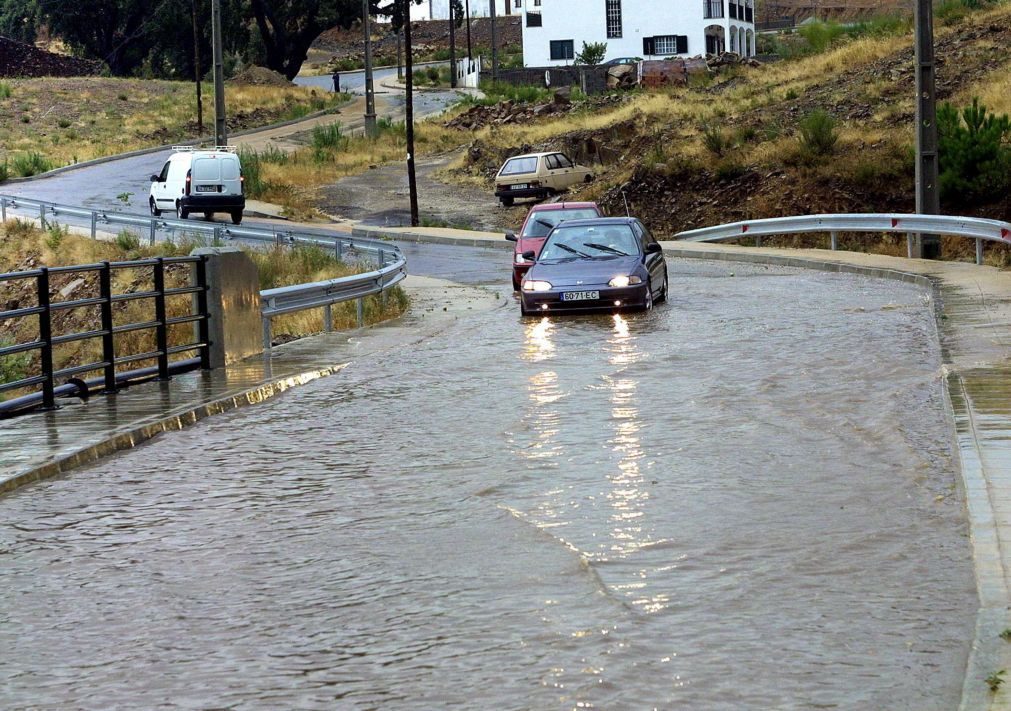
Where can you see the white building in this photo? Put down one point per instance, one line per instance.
(554, 30)
(439, 9)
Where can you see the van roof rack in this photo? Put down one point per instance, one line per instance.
(190, 149)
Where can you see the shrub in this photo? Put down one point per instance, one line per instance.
(55, 234)
(818, 135)
(28, 164)
(127, 241)
(5, 171)
(5, 90)
(13, 367)
(729, 169)
(592, 53)
(251, 173)
(715, 139)
(328, 137)
(973, 155)
(433, 74)
(63, 123)
(791, 94)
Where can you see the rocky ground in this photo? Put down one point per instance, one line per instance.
(18, 59)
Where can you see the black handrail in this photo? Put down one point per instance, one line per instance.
(104, 328)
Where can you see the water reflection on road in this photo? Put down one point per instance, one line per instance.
(743, 499)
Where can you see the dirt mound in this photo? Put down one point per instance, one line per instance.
(18, 59)
(259, 76)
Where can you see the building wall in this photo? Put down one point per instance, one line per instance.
(585, 21)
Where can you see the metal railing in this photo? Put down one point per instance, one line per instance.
(978, 228)
(392, 264)
(324, 294)
(106, 330)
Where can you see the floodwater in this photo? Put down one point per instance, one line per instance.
(742, 500)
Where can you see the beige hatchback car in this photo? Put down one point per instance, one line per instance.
(538, 175)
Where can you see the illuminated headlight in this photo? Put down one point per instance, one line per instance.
(536, 285)
(620, 281)
(520, 259)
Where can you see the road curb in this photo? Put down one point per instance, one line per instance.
(180, 419)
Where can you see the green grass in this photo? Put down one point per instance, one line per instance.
(31, 163)
(5, 90)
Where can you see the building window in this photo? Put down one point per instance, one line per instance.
(534, 19)
(563, 49)
(712, 9)
(613, 8)
(665, 45)
(537, 3)
(518, 4)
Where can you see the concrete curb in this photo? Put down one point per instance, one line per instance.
(158, 149)
(177, 420)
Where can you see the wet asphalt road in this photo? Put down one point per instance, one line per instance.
(742, 500)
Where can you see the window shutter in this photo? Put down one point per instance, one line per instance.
(648, 46)
(682, 44)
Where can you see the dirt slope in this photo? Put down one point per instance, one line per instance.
(18, 59)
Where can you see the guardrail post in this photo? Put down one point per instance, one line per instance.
(161, 330)
(94, 225)
(108, 338)
(217, 237)
(151, 231)
(361, 312)
(46, 337)
(758, 241)
(910, 239)
(328, 318)
(835, 241)
(266, 334)
(979, 251)
(382, 258)
(339, 250)
(3, 209)
(203, 326)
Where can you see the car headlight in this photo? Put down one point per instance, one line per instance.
(622, 280)
(520, 259)
(530, 285)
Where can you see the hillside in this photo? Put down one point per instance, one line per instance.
(728, 149)
(18, 59)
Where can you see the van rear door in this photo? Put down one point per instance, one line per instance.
(205, 175)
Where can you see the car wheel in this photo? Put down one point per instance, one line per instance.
(154, 208)
(507, 202)
(516, 283)
(588, 178)
(181, 214)
(208, 216)
(237, 217)
(649, 296)
(663, 290)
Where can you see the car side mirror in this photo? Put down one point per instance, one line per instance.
(529, 255)
(653, 248)
(154, 178)
(511, 237)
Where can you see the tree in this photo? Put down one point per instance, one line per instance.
(974, 159)
(110, 30)
(18, 19)
(288, 27)
(592, 53)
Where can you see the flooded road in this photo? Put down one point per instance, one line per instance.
(742, 500)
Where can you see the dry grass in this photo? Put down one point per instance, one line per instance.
(23, 247)
(77, 119)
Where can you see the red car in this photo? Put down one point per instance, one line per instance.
(540, 220)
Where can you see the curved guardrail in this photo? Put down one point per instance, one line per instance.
(977, 228)
(391, 262)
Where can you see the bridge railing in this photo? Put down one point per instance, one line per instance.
(977, 228)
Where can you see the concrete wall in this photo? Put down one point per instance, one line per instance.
(233, 303)
(585, 21)
(592, 80)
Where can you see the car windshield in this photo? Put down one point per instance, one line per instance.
(541, 222)
(517, 166)
(590, 242)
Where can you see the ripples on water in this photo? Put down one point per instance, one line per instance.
(741, 500)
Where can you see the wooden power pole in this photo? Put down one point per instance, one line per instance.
(220, 130)
(928, 201)
(196, 70)
(412, 179)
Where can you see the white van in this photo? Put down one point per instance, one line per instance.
(199, 180)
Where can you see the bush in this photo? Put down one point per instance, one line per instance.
(327, 140)
(55, 234)
(251, 173)
(974, 158)
(13, 367)
(5, 171)
(32, 163)
(592, 53)
(127, 241)
(715, 139)
(818, 135)
(5, 90)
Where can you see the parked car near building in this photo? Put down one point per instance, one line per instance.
(539, 222)
(538, 175)
(197, 180)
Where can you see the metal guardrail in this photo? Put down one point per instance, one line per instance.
(392, 264)
(978, 228)
(45, 308)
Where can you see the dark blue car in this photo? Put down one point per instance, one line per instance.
(602, 264)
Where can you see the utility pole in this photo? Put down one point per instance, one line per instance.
(196, 70)
(412, 180)
(220, 131)
(928, 200)
(452, 44)
(470, 51)
(494, 42)
(370, 93)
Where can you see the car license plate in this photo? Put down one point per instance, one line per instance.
(207, 188)
(580, 295)
(521, 186)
